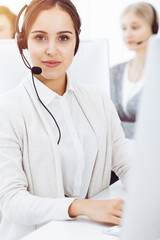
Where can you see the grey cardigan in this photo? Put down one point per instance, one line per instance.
(31, 180)
(127, 121)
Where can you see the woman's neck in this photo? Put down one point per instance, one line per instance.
(139, 57)
(136, 67)
(56, 85)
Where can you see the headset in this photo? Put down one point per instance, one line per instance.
(22, 44)
(155, 25)
(20, 37)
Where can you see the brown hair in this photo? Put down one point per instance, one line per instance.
(11, 17)
(145, 11)
(36, 6)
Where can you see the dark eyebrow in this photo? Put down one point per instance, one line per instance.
(61, 32)
(38, 31)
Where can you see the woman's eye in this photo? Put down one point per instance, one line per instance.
(123, 28)
(135, 27)
(40, 38)
(63, 38)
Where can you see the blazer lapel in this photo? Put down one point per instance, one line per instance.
(56, 157)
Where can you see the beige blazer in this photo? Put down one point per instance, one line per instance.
(31, 181)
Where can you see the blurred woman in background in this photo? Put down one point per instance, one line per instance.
(139, 22)
(7, 23)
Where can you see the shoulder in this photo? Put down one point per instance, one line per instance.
(116, 73)
(7, 98)
(88, 90)
(92, 96)
(119, 67)
(9, 110)
(10, 100)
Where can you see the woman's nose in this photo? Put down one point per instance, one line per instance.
(128, 33)
(51, 48)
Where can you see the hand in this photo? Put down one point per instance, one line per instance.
(108, 211)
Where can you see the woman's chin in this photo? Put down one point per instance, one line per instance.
(48, 76)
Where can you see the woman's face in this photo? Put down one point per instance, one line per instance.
(134, 30)
(6, 31)
(51, 43)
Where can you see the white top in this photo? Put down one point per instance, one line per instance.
(31, 181)
(78, 144)
(129, 89)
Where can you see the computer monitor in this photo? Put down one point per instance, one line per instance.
(90, 65)
(142, 208)
(12, 69)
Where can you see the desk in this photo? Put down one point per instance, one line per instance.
(81, 227)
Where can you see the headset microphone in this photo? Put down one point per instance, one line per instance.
(36, 70)
(140, 42)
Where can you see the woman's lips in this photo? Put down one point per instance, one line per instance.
(131, 42)
(51, 64)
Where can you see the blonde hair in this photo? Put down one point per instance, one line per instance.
(11, 17)
(144, 11)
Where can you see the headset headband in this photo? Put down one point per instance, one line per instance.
(18, 17)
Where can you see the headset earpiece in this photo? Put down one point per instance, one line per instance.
(155, 25)
(20, 36)
(155, 29)
(21, 41)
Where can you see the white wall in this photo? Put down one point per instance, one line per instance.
(99, 19)
(102, 19)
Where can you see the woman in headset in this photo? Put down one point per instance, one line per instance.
(59, 139)
(139, 22)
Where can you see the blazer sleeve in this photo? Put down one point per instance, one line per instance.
(16, 203)
(127, 121)
(122, 153)
(128, 128)
(112, 83)
(116, 75)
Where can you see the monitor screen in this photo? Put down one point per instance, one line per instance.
(12, 68)
(91, 64)
(142, 208)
